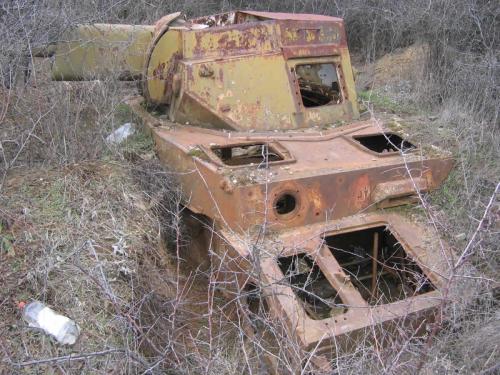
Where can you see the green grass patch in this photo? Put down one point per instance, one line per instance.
(54, 202)
(123, 114)
(6, 242)
(379, 101)
(140, 142)
(385, 103)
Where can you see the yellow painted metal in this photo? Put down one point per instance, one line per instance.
(350, 86)
(249, 93)
(260, 38)
(331, 113)
(92, 51)
(255, 92)
(161, 66)
(239, 76)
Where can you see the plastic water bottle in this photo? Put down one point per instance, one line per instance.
(62, 328)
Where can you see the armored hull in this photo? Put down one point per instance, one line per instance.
(257, 113)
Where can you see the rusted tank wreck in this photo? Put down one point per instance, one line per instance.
(258, 113)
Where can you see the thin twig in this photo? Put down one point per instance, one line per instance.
(65, 358)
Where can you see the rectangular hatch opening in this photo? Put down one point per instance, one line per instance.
(378, 265)
(255, 153)
(318, 84)
(384, 143)
(319, 299)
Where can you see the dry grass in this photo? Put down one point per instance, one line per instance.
(85, 239)
(64, 224)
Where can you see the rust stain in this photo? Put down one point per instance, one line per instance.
(158, 72)
(361, 191)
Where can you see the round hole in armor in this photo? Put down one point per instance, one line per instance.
(285, 204)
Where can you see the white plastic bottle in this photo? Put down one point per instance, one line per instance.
(62, 328)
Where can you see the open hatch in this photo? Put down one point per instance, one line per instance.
(378, 265)
(384, 143)
(319, 299)
(318, 83)
(245, 154)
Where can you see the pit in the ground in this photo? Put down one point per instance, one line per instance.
(319, 298)
(378, 265)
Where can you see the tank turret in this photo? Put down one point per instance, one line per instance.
(237, 71)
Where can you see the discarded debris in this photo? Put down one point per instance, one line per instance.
(62, 328)
(120, 247)
(120, 134)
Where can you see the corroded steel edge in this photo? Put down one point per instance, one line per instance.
(229, 204)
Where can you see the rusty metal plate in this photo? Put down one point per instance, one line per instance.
(328, 174)
(341, 305)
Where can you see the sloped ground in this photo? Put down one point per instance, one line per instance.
(84, 239)
(76, 235)
(466, 209)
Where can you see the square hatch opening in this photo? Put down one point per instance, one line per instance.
(378, 265)
(385, 143)
(318, 83)
(319, 299)
(255, 153)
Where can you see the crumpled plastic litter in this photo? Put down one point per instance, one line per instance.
(121, 133)
(62, 328)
